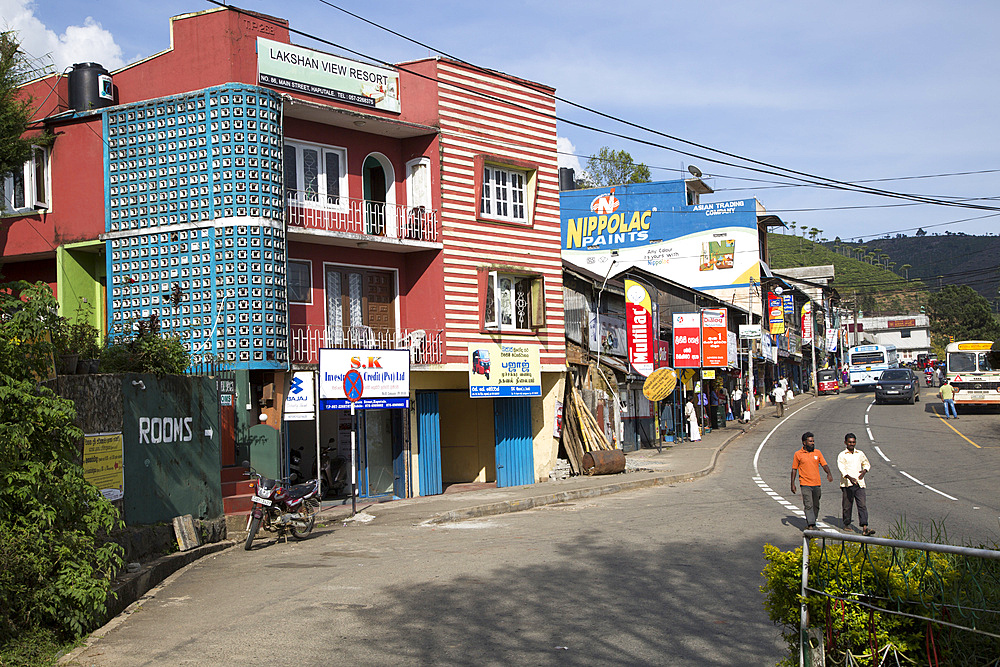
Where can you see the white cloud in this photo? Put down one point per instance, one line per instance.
(567, 157)
(78, 43)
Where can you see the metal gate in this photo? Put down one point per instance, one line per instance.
(514, 446)
(429, 443)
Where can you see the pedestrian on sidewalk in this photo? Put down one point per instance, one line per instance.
(779, 400)
(692, 416)
(738, 408)
(947, 396)
(853, 466)
(807, 462)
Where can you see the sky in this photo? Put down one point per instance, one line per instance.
(898, 96)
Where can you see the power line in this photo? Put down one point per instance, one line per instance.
(764, 167)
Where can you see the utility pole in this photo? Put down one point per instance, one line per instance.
(855, 318)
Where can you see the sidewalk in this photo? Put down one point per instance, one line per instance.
(678, 462)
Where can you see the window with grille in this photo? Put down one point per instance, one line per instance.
(299, 279)
(513, 302)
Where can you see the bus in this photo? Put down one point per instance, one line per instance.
(865, 364)
(968, 369)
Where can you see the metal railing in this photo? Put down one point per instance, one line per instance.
(426, 346)
(311, 210)
(947, 588)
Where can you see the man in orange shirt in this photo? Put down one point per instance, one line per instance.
(807, 462)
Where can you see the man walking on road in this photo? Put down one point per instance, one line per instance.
(947, 395)
(854, 465)
(807, 462)
(779, 400)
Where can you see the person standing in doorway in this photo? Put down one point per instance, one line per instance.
(779, 400)
(738, 403)
(853, 466)
(947, 395)
(806, 463)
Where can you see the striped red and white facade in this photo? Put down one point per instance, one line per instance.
(395, 252)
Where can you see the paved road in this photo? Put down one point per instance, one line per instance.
(927, 472)
(666, 575)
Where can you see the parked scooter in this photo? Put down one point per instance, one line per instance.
(295, 466)
(278, 506)
(335, 470)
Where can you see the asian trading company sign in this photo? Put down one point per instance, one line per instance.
(315, 73)
(385, 379)
(103, 463)
(639, 327)
(499, 371)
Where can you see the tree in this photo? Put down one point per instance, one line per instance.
(15, 109)
(57, 569)
(921, 232)
(611, 167)
(906, 270)
(959, 311)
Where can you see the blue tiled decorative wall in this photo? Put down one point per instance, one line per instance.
(194, 222)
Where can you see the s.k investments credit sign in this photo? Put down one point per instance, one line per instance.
(316, 73)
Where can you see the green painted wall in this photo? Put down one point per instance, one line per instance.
(80, 272)
(170, 429)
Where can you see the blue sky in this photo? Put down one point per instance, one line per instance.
(856, 91)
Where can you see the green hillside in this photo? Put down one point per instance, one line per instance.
(877, 289)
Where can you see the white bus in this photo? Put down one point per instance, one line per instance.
(970, 373)
(865, 364)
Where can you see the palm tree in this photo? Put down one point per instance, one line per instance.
(906, 270)
(793, 225)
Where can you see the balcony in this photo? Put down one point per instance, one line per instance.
(425, 346)
(360, 220)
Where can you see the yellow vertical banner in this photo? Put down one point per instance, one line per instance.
(103, 463)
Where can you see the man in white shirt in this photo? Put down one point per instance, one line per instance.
(779, 400)
(854, 465)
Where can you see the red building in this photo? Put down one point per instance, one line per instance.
(263, 201)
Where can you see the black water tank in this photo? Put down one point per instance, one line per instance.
(567, 178)
(90, 87)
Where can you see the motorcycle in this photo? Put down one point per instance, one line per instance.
(335, 470)
(277, 506)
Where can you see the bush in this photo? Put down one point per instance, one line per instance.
(146, 351)
(56, 565)
(913, 581)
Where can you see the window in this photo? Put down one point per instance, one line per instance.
(905, 333)
(27, 188)
(315, 175)
(299, 281)
(513, 302)
(503, 194)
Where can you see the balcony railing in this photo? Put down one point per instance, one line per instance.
(311, 210)
(425, 346)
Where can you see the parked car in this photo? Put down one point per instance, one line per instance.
(897, 384)
(826, 380)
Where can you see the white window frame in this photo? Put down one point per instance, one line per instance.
(504, 194)
(322, 198)
(309, 286)
(531, 287)
(35, 170)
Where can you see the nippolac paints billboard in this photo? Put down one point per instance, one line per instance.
(650, 226)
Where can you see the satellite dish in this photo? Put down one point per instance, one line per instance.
(778, 290)
(695, 171)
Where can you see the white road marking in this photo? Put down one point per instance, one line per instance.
(870, 436)
(930, 488)
(866, 417)
(767, 489)
(880, 453)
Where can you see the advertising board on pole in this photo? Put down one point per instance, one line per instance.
(807, 321)
(639, 327)
(715, 338)
(300, 404)
(687, 340)
(368, 379)
(775, 314)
